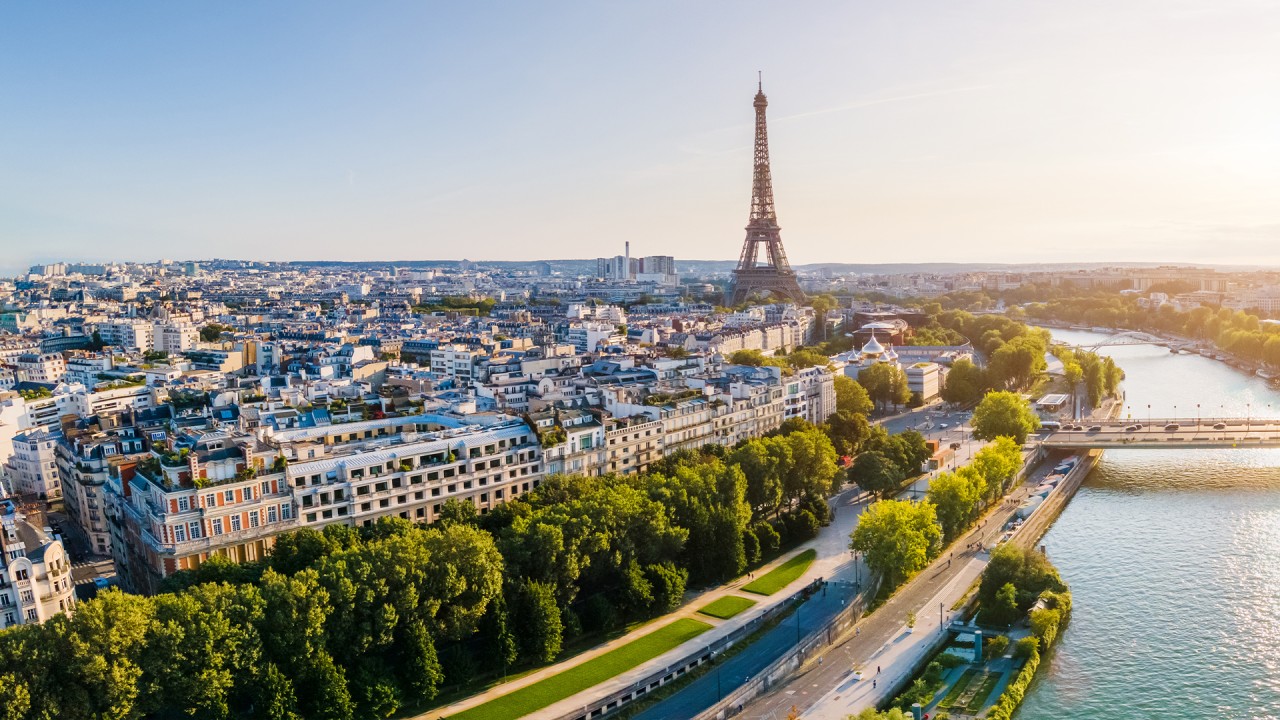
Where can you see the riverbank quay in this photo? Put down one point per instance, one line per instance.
(882, 647)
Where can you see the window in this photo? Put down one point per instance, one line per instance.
(248, 493)
(193, 530)
(9, 619)
(183, 504)
(229, 496)
(31, 614)
(217, 526)
(27, 596)
(179, 534)
(286, 512)
(253, 519)
(235, 523)
(210, 500)
(271, 514)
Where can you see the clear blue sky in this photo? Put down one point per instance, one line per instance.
(902, 131)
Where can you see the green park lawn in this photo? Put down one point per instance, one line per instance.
(783, 575)
(726, 607)
(588, 674)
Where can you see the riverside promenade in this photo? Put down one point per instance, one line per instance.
(830, 688)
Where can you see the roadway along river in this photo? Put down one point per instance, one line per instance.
(1173, 558)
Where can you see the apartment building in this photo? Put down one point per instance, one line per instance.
(231, 494)
(32, 469)
(35, 572)
(632, 443)
(47, 368)
(86, 453)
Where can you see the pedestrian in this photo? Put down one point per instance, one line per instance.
(873, 684)
(877, 669)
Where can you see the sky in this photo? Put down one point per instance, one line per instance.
(906, 131)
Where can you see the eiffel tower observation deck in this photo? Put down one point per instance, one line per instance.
(763, 268)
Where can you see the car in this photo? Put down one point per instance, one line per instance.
(1219, 426)
(1171, 427)
(944, 426)
(1096, 428)
(955, 446)
(1137, 426)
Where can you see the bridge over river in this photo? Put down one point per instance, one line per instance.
(1165, 434)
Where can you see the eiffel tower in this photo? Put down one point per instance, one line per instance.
(775, 274)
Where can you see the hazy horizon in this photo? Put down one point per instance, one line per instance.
(915, 132)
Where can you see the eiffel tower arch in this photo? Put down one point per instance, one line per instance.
(763, 266)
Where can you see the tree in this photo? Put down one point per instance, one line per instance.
(997, 464)
(212, 331)
(1002, 610)
(813, 464)
(897, 538)
(956, 497)
(851, 397)
(848, 431)
(1004, 413)
(875, 473)
(822, 304)
(964, 384)
(760, 468)
(886, 384)
(541, 630)
(754, 358)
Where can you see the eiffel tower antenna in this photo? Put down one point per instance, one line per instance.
(775, 274)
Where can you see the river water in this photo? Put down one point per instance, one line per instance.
(1173, 558)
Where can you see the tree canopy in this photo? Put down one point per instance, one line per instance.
(1004, 413)
(898, 538)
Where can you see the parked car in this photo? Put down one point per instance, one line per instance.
(1171, 427)
(1096, 428)
(1219, 426)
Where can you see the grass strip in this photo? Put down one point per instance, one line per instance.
(979, 699)
(783, 575)
(957, 689)
(726, 607)
(588, 674)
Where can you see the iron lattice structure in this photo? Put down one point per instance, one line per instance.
(774, 274)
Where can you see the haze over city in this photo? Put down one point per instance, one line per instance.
(917, 131)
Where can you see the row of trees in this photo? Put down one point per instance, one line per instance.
(1235, 331)
(797, 359)
(1100, 375)
(886, 461)
(338, 624)
(361, 623)
(1014, 355)
(900, 537)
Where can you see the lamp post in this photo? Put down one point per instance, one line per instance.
(1148, 417)
(1248, 416)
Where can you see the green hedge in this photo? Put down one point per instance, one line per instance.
(1050, 621)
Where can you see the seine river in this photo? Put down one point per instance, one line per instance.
(1174, 563)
